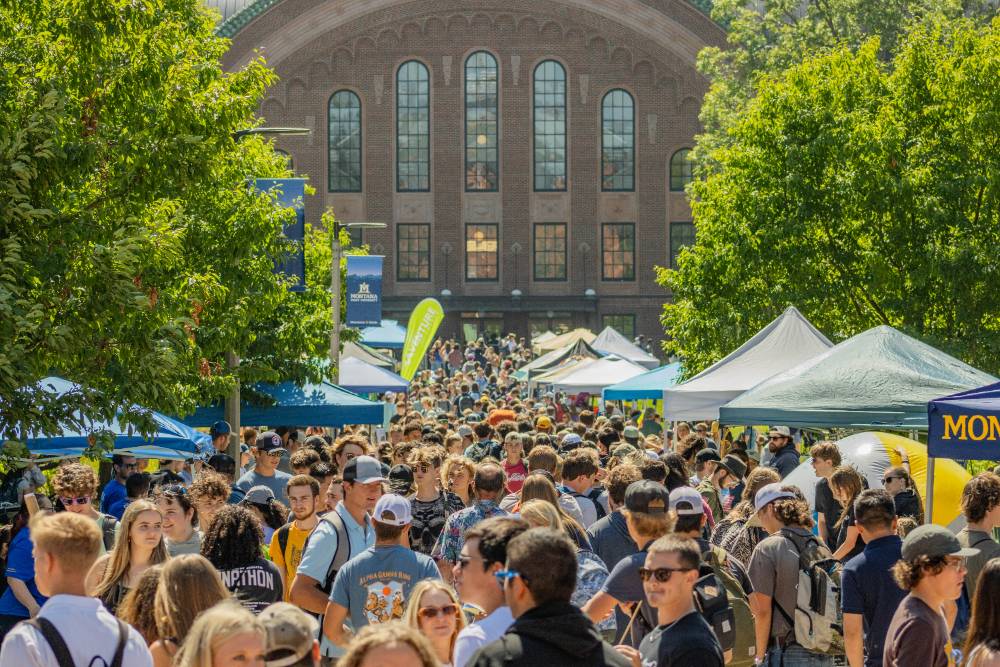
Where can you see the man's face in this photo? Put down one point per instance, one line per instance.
(678, 587)
(822, 467)
(513, 447)
(424, 471)
(334, 495)
(724, 480)
(207, 509)
(362, 495)
(301, 501)
(267, 462)
(469, 575)
(776, 442)
(127, 467)
(948, 582)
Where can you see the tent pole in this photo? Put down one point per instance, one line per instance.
(929, 509)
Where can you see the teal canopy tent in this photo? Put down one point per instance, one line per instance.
(364, 378)
(322, 404)
(390, 335)
(648, 386)
(880, 378)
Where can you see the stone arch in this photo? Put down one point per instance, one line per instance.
(622, 56)
(481, 24)
(528, 27)
(343, 57)
(644, 72)
(364, 48)
(433, 27)
(597, 48)
(689, 105)
(272, 109)
(411, 31)
(458, 24)
(387, 39)
(505, 25)
(552, 32)
(319, 72)
(296, 90)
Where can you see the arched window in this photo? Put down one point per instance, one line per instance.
(681, 170)
(344, 118)
(481, 123)
(550, 126)
(413, 128)
(617, 141)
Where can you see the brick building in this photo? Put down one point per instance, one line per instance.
(528, 157)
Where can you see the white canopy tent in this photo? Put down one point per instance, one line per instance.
(784, 343)
(595, 376)
(610, 341)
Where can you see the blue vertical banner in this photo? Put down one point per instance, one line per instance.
(290, 192)
(364, 291)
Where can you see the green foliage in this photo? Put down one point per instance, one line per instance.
(860, 186)
(133, 250)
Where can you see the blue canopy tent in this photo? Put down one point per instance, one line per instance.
(170, 434)
(965, 425)
(389, 335)
(322, 404)
(648, 386)
(364, 378)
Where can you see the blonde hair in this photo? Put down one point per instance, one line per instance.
(389, 635)
(73, 540)
(461, 461)
(649, 525)
(539, 487)
(74, 480)
(212, 628)
(412, 618)
(542, 514)
(121, 555)
(189, 585)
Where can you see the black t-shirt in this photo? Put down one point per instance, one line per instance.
(828, 507)
(429, 518)
(859, 544)
(687, 642)
(255, 586)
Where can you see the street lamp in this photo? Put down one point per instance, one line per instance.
(231, 408)
(335, 289)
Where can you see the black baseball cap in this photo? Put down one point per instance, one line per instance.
(647, 497)
(706, 455)
(269, 441)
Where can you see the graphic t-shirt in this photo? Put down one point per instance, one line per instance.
(289, 559)
(375, 585)
(255, 586)
(429, 517)
(516, 473)
(687, 642)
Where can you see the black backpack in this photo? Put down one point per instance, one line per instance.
(465, 402)
(58, 645)
(593, 496)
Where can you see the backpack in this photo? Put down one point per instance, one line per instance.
(723, 603)
(109, 524)
(340, 556)
(817, 619)
(593, 496)
(465, 402)
(58, 645)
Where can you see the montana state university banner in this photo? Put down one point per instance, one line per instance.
(364, 290)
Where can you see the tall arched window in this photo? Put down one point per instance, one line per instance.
(617, 141)
(681, 170)
(413, 127)
(481, 123)
(550, 126)
(344, 142)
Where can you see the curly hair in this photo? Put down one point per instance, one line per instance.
(233, 539)
(209, 486)
(793, 511)
(980, 495)
(74, 480)
(908, 573)
(136, 608)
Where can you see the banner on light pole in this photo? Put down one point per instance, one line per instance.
(364, 291)
(290, 193)
(424, 323)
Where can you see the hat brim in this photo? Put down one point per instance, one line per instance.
(280, 450)
(366, 480)
(967, 552)
(731, 471)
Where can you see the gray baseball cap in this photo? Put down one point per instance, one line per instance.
(932, 540)
(363, 469)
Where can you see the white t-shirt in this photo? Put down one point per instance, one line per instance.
(88, 629)
(479, 634)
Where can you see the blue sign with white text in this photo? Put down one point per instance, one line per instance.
(290, 192)
(364, 290)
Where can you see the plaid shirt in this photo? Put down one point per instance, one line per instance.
(452, 537)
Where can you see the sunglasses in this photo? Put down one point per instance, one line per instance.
(174, 490)
(886, 480)
(775, 437)
(503, 576)
(129, 466)
(463, 561)
(661, 574)
(428, 613)
(82, 500)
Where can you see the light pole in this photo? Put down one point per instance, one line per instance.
(335, 289)
(231, 408)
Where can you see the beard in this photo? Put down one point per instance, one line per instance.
(773, 445)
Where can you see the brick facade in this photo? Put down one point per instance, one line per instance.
(646, 47)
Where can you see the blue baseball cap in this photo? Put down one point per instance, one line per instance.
(220, 428)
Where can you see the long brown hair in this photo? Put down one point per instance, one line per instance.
(136, 608)
(189, 585)
(985, 622)
(538, 487)
(848, 481)
(121, 556)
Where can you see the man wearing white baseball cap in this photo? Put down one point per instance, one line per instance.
(784, 456)
(374, 586)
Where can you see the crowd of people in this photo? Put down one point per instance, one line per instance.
(487, 526)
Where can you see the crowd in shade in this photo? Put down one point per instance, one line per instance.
(493, 523)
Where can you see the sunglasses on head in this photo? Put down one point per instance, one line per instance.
(428, 613)
(81, 500)
(661, 574)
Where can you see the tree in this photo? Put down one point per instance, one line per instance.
(133, 250)
(861, 188)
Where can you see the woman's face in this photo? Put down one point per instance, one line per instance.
(392, 655)
(437, 615)
(147, 529)
(245, 649)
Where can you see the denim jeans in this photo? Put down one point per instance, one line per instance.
(796, 656)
